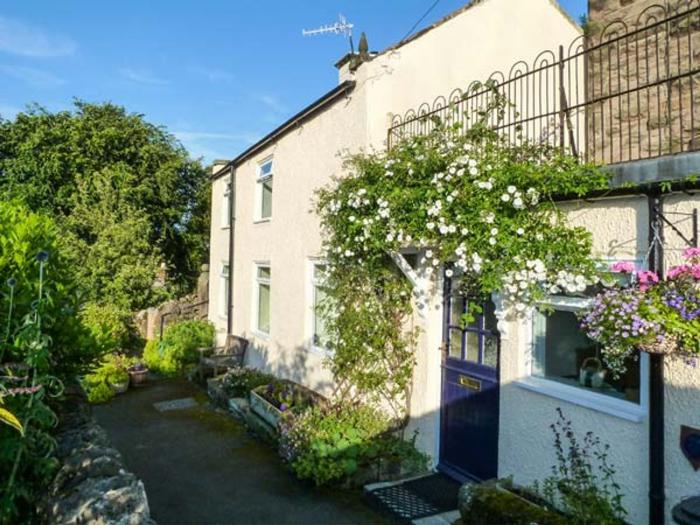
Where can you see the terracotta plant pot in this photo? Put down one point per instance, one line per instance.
(138, 377)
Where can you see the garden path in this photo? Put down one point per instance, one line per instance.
(201, 467)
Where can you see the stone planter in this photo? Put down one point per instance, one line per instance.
(119, 388)
(494, 502)
(264, 409)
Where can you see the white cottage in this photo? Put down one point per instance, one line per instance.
(484, 397)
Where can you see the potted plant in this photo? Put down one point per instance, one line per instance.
(652, 315)
(138, 374)
(118, 380)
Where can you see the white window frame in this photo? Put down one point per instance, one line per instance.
(620, 408)
(259, 189)
(257, 281)
(224, 288)
(311, 309)
(226, 207)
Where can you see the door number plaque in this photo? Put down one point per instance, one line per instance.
(471, 384)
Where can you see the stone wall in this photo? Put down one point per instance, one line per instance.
(640, 114)
(92, 484)
(192, 306)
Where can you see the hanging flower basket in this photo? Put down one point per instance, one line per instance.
(652, 315)
(667, 346)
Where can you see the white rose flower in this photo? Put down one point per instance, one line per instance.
(449, 273)
(520, 231)
(517, 203)
(505, 197)
(512, 189)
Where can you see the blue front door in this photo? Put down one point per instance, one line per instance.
(469, 411)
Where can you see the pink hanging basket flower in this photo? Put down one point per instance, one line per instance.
(622, 267)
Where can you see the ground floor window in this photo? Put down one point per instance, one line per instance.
(263, 278)
(320, 334)
(225, 289)
(562, 352)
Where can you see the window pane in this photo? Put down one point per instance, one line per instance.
(266, 204)
(320, 336)
(457, 304)
(563, 353)
(472, 350)
(455, 350)
(264, 308)
(490, 351)
(263, 272)
(266, 169)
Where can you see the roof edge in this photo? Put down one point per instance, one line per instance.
(319, 104)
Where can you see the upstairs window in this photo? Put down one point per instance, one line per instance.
(264, 191)
(225, 291)
(226, 206)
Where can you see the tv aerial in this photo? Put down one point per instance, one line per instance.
(341, 27)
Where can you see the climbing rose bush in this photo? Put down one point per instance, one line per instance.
(469, 201)
(650, 314)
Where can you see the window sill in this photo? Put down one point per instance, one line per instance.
(261, 335)
(262, 221)
(319, 351)
(226, 227)
(577, 396)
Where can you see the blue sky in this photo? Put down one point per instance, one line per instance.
(218, 73)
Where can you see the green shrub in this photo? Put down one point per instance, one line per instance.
(179, 345)
(113, 370)
(239, 381)
(488, 503)
(327, 444)
(109, 324)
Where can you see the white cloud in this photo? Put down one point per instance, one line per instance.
(32, 76)
(142, 76)
(22, 39)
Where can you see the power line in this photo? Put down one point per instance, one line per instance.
(420, 20)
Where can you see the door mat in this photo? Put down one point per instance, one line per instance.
(176, 404)
(417, 498)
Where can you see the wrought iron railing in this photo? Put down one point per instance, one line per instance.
(617, 94)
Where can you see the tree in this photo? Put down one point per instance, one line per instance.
(124, 193)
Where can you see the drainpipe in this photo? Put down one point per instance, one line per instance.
(656, 378)
(232, 225)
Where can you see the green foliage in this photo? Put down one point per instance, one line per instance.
(22, 236)
(109, 325)
(582, 484)
(327, 444)
(239, 381)
(124, 193)
(113, 370)
(178, 347)
(469, 201)
(489, 503)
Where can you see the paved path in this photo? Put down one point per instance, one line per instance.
(201, 467)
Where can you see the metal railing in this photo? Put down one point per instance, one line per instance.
(614, 95)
